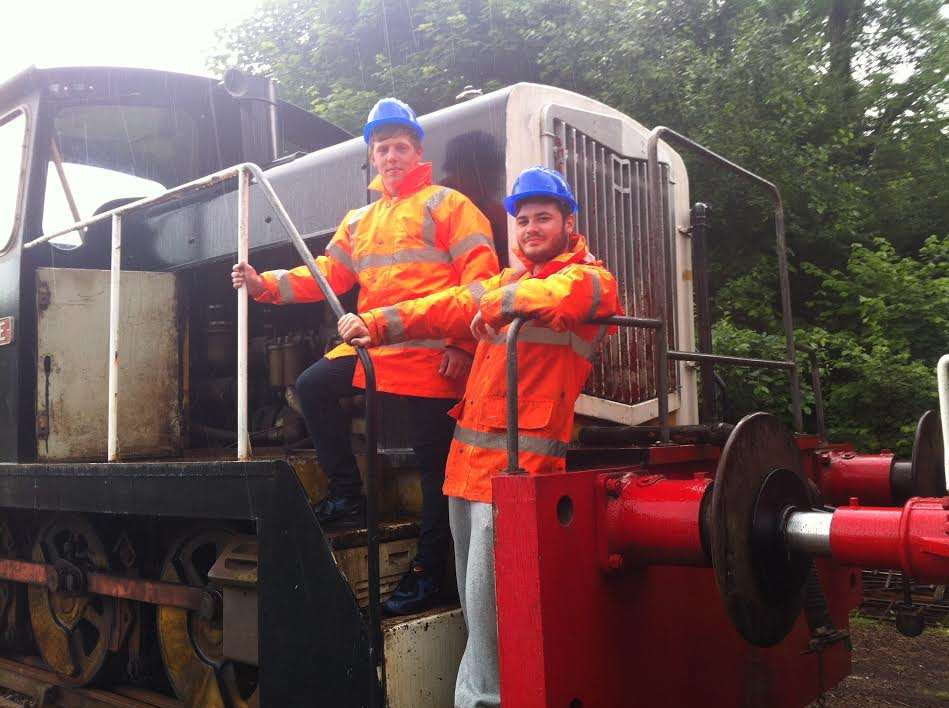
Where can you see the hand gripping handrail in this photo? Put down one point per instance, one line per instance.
(655, 234)
(244, 172)
(514, 330)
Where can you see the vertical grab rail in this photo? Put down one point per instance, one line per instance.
(514, 330)
(243, 247)
(244, 173)
(942, 381)
(377, 691)
(115, 275)
(655, 231)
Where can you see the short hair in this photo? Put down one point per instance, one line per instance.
(384, 132)
(562, 206)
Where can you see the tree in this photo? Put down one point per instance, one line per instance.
(842, 103)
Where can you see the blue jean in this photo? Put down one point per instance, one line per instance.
(319, 389)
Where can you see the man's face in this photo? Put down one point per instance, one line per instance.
(541, 230)
(394, 158)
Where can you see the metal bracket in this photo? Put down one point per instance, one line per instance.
(42, 425)
(42, 295)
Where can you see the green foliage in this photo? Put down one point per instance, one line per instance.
(841, 103)
(882, 324)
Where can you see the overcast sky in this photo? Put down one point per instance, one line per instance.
(175, 35)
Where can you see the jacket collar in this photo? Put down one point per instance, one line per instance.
(577, 252)
(417, 178)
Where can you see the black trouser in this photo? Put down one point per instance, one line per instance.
(319, 389)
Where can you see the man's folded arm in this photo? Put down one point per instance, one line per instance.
(445, 314)
(560, 301)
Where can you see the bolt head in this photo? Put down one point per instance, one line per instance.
(613, 487)
(615, 561)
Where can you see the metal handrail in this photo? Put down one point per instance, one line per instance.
(662, 365)
(655, 227)
(819, 418)
(244, 172)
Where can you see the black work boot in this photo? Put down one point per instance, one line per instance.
(341, 512)
(419, 590)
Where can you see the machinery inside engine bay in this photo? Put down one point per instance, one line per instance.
(283, 341)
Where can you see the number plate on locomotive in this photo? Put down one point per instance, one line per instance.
(6, 330)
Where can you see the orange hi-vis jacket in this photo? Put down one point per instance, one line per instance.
(426, 239)
(554, 359)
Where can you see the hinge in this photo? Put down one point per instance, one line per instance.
(42, 425)
(42, 295)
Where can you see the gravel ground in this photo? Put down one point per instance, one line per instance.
(890, 670)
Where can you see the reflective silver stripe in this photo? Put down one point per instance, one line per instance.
(477, 291)
(543, 335)
(285, 286)
(338, 254)
(597, 293)
(417, 344)
(597, 341)
(428, 221)
(403, 257)
(534, 334)
(436, 199)
(460, 248)
(507, 300)
(395, 330)
(498, 441)
(356, 218)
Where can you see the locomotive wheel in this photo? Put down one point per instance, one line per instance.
(192, 646)
(758, 480)
(11, 594)
(72, 629)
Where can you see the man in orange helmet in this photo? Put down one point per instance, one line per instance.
(562, 288)
(417, 239)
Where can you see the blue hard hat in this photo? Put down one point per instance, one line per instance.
(391, 111)
(539, 182)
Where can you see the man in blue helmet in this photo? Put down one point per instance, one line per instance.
(416, 239)
(559, 288)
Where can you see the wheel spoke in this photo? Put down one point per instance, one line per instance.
(72, 632)
(192, 647)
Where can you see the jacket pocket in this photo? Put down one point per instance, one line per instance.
(456, 410)
(532, 414)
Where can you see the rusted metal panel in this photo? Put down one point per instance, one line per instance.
(422, 658)
(72, 364)
(612, 191)
(24, 571)
(395, 557)
(236, 572)
(150, 591)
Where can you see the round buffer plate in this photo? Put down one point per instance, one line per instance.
(758, 481)
(929, 478)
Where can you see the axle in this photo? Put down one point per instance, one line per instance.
(70, 579)
(912, 539)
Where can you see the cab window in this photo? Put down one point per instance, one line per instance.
(103, 153)
(12, 154)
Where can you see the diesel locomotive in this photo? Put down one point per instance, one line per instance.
(157, 540)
